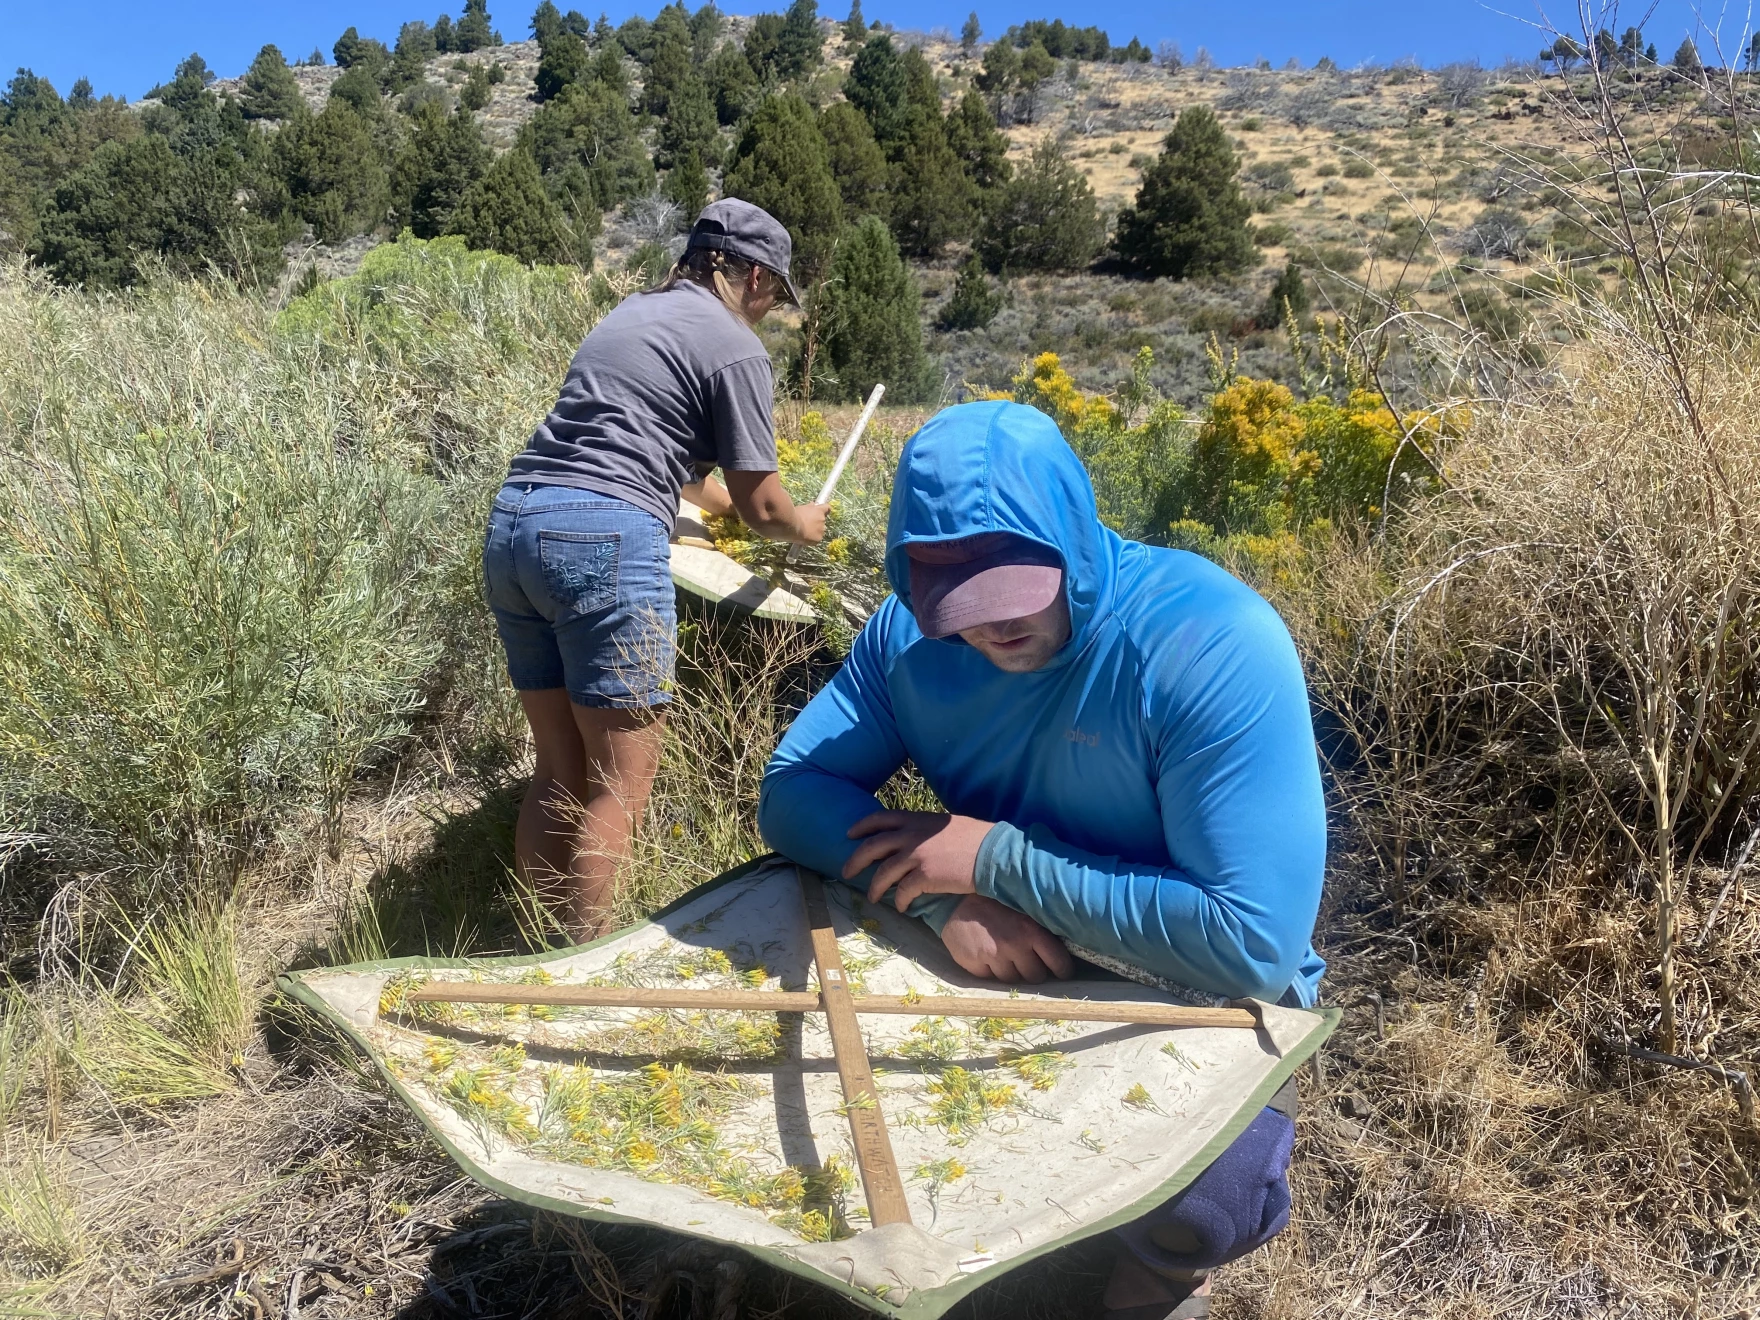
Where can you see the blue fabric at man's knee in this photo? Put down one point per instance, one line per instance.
(1237, 1204)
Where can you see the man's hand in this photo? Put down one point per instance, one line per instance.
(920, 852)
(992, 940)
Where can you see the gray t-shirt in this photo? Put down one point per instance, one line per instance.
(666, 387)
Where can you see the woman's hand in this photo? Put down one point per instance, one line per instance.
(992, 940)
(919, 852)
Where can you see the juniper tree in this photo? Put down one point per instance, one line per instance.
(932, 200)
(546, 22)
(1045, 217)
(800, 46)
(139, 198)
(981, 148)
(269, 89)
(782, 165)
(1288, 297)
(1686, 57)
(439, 161)
(857, 163)
(970, 34)
(974, 303)
(415, 47)
(870, 331)
(855, 27)
(445, 35)
(731, 82)
(668, 69)
(509, 211)
(331, 167)
(879, 87)
(687, 184)
(477, 89)
(563, 59)
(762, 40)
(998, 77)
(1036, 69)
(590, 126)
(473, 31)
(689, 127)
(1190, 217)
(705, 28)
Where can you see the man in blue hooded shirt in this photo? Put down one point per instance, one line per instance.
(1121, 737)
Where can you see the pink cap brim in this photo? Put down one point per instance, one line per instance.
(947, 598)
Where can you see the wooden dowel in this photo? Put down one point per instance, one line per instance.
(1035, 1009)
(861, 1098)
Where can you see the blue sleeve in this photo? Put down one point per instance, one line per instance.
(823, 775)
(1244, 820)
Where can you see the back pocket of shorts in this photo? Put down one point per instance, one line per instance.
(580, 569)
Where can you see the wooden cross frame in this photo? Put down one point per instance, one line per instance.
(881, 1183)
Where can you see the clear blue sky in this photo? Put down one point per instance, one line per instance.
(127, 47)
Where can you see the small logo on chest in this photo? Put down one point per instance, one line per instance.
(1086, 739)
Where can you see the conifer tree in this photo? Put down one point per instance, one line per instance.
(1190, 217)
(974, 303)
(981, 148)
(932, 199)
(800, 46)
(1288, 297)
(998, 78)
(473, 31)
(782, 165)
(445, 35)
(879, 87)
(415, 47)
(669, 68)
(687, 184)
(855, 27)
(346, 48)
(590, 126)
(762, 39)
(269, 89)
(331, 167)
(507, 210)
(608, 70)
(439, 161)
(689, 128)
(562, 59)
(705, 32)
(857, 163)
(546, 22)
(478, 88)
(1686, 57)
(731, 81)
(1045, 217)
(1036, 68)
(970, 35)
(869, 317)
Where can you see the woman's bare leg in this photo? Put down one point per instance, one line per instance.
(622, 756)
(594, 770)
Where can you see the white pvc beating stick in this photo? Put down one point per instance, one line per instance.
(849, 448)
(849, 445)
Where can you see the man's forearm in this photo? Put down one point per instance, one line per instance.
(1158, 918)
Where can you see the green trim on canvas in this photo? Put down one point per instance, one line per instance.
(924, 1304)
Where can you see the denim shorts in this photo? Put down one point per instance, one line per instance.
(581, 588)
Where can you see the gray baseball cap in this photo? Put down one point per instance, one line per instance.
(743, 230)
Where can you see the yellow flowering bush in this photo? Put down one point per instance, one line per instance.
(1263, 463)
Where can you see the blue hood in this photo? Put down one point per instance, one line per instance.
(1004, 467)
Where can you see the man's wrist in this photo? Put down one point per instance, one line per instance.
(992, 859)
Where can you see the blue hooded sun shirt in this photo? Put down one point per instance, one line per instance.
(1155, 785)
